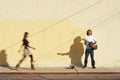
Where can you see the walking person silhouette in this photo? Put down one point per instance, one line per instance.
(26, 51)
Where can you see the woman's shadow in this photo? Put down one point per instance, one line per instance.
(3, 59)
(76, 52)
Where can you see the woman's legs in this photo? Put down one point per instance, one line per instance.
(32, 65)
(20, 62)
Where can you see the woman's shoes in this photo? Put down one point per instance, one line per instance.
(32, 67)
(17, 66)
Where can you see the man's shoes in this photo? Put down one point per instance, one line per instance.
(72, 66)
(84, 67)
(93, 67)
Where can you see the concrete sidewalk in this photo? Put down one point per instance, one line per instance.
(60, 73)
(61, 69)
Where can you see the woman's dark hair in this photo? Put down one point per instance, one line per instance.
(88, 31)
(25, 35)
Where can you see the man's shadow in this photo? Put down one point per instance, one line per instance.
(3, 59)
(76, 52)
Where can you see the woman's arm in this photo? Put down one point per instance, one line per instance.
(20, 48)
(31, 47)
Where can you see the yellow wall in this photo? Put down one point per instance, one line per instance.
(48, 40)
(55, 27)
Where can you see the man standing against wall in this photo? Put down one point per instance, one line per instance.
(90, 43)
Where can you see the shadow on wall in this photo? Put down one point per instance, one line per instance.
(76, 52)
(3, 59)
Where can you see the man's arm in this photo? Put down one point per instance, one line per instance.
(95, 40)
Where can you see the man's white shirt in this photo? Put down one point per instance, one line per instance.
(89, 39)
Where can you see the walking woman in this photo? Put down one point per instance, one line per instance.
(26, 51)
